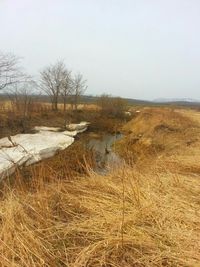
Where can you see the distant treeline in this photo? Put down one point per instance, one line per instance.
(89, 99)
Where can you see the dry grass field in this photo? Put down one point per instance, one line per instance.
(7, 105)
(144, 214)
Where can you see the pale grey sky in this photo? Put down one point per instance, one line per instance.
(143, 49)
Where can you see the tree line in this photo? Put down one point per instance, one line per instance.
(56, 81)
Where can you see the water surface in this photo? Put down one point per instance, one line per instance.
(104, 151)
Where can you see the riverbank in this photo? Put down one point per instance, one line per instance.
(99, 125)
(86, 154)
(159, 134)
(12, 123)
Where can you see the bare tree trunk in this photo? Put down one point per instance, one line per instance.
(56, 105)
(76, 102)
(64, 106)
(65, 112)
(79, 89)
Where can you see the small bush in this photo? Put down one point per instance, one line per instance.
(112, 106)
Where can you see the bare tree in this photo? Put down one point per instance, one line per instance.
(67, 88)
(22, 101)
(52, 80)
(79, 87)
(10, 72)
(22, 98)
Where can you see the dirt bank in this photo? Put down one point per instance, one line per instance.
(159, 135)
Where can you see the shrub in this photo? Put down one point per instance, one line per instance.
(113, 106)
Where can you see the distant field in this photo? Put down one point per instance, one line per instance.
(6, 105)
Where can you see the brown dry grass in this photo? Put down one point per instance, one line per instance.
(7, 105)
(159, 132)
(132, 217)
(123, 219)
(66, 164)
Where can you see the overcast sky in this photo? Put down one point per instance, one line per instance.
(143, 49)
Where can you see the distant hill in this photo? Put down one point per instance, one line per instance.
(177, 101)
(169, 100)
(156, 102)
(92, 99)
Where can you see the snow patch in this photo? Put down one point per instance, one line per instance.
(26, 149)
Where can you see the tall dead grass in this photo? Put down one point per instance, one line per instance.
(123, 219)
(157, 132)
(146, 215)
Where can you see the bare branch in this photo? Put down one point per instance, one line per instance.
(10, 72)
(79, 88)
(54, 82)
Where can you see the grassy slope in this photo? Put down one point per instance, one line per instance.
(146, 215)
(162, 134)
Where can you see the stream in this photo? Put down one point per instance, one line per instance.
(104, 150)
